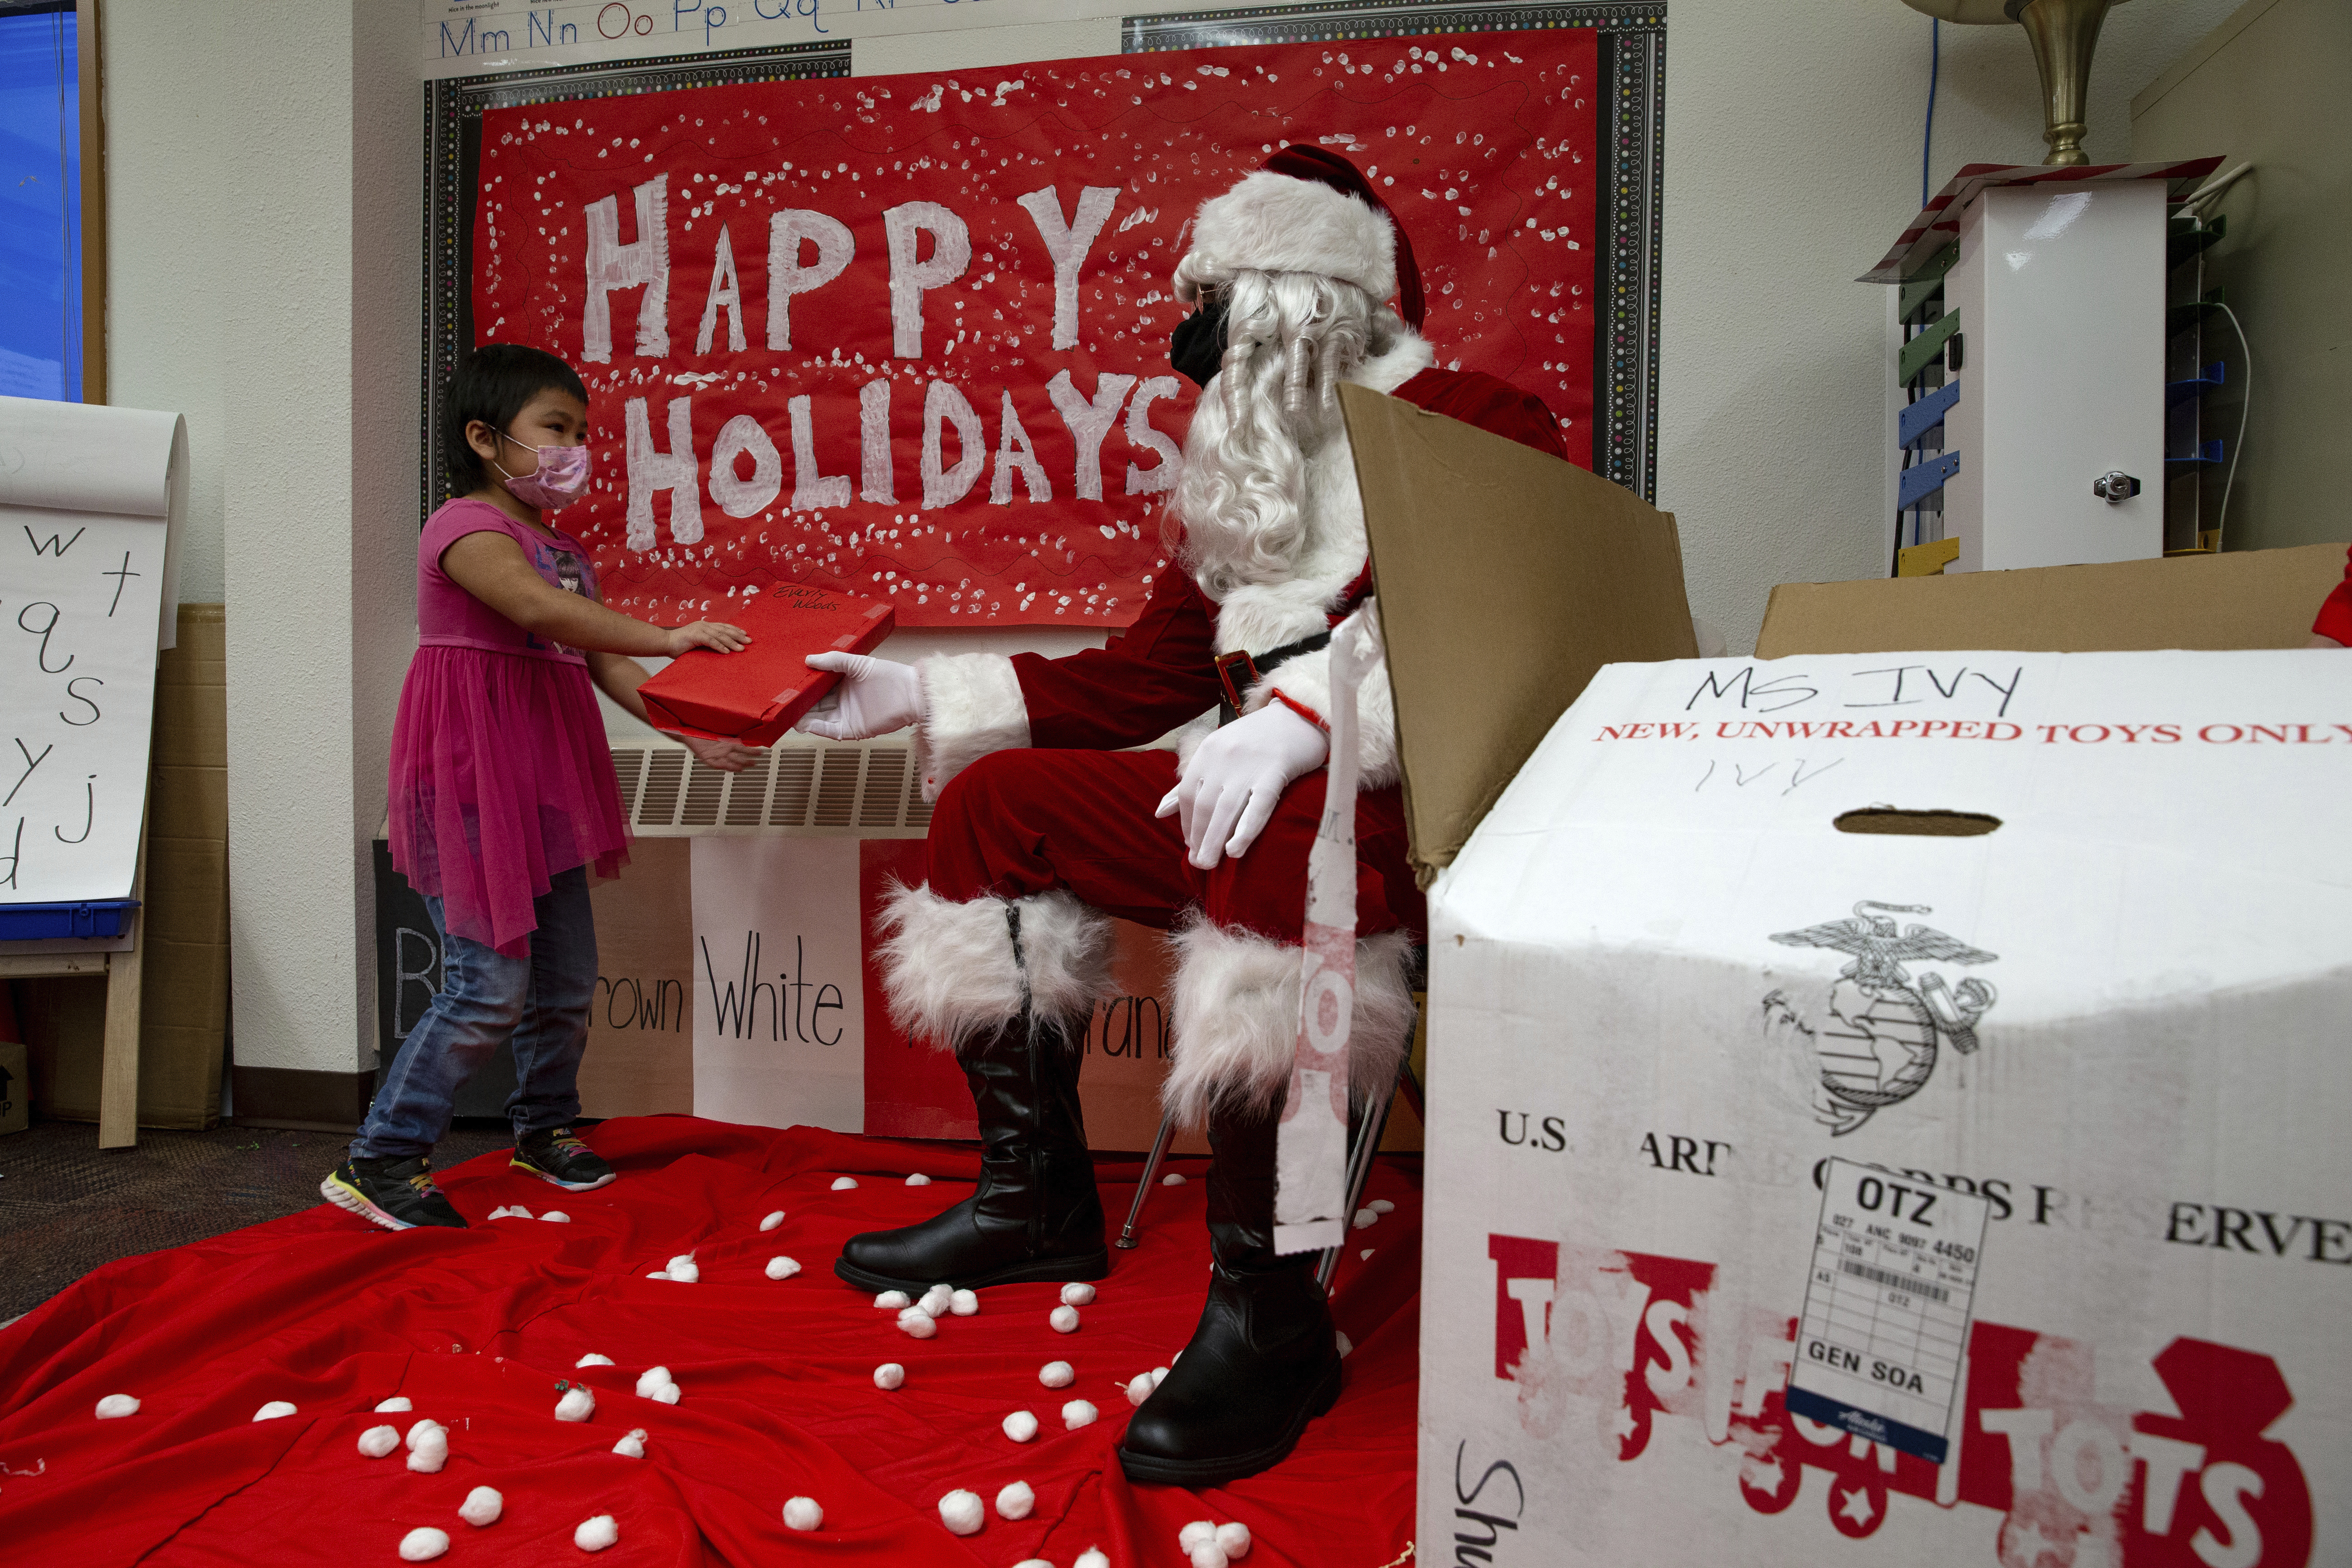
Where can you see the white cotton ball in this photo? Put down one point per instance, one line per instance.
(1078, 1413)
(519, 1212)
(1139, 1387)
(378, 1441)
(1346, 1344)
(889, 1375)
(273, 1410)
(658, 1274)
(1364, 1217)
(1020, 1426)
(964, 1303)
(772, 1221)
(843, 1183)
(802, 1513)
(556, 1217)
(1194, 1533)
(1208, 1554)
(501, 1212)
(782, 1267)
(961, 1513)
(396, 1403)
(1065, 1319)
(423, 1544)
(1172, 1179)
(1015, 1501)
(919, 1179)
(894, 1300)
(686, 1273)
(1080, 1295)
(1159, 1375)
(918, 1324)
(578, 1403)
(428, 1453)
(936, 1299)
(682, 1260)
(1092, 1557)
(1058, 1374)
(666, 1395)
(597, 1534)
(652, 1378)
(592, 1359)
(419, 1432)
(1377, 1205)
(1234, 1538)
(115, 1406)
(1035, 1562)
(482, 1507)
(631, 1446)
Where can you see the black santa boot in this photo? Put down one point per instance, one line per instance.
(1264, 1359)
(1036, 1215)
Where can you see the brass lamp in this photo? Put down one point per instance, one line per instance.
(2063, 33)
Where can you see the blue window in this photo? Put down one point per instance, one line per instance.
(41, 305)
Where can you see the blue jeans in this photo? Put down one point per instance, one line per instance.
(540, 1001)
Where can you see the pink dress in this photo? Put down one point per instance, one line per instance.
(500, 775)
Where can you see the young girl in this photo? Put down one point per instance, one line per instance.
(502, 787)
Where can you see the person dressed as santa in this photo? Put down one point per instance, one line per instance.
(1045, 823)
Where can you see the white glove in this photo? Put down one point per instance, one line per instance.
(1231, 786)
(876, 695)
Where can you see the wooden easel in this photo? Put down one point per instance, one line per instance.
(118, 1092)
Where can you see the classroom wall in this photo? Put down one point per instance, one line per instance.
(266, 230)
(2269, 87)
(264, 270)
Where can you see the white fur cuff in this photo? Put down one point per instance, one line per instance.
(1307, 679)
(1236, 1018)
(951, 973)
(972, 706)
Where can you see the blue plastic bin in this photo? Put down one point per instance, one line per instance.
(94, 917)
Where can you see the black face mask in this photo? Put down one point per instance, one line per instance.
(1197, 347)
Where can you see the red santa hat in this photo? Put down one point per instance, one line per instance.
(1308, 210)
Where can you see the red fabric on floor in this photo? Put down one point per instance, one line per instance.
(477, 1328)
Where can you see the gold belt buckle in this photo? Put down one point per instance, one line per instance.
(1225, 663)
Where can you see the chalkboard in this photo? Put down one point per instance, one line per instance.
(90, 498)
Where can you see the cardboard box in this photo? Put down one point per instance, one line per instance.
(754, 695)
(1802, 1192)
(2246, 598)
(1505, 579)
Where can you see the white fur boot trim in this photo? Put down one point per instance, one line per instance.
(972, 706)
(1236, 1018)
(951, 973)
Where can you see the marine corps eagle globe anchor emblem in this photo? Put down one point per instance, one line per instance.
(1878, 1047)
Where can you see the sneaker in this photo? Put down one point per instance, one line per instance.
(397, 1194)
(559, 1158)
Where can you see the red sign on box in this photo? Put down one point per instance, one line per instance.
(756, 694)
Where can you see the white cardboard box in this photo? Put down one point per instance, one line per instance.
(2092, 1069)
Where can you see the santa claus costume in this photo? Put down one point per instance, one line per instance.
(1045, 823)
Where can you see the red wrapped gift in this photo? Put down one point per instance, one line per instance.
(755, 695)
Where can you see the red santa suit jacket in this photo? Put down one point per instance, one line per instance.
(1160, 676)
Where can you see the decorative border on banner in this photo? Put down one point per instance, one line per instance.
(1632, 171)
(453, 117)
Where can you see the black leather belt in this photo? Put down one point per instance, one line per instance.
(1255, 668)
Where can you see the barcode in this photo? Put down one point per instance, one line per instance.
(1900, 1281)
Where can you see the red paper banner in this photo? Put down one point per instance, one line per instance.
(907, 336)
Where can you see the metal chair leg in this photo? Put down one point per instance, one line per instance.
(1143, 1187)
(1359, 1172)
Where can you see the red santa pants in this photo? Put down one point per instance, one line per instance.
(1023, 822)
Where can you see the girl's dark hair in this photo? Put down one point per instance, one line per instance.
(492, 384)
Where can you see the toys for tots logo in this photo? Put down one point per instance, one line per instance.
(1621, 1339)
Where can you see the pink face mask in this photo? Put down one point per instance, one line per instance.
(562, 479)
